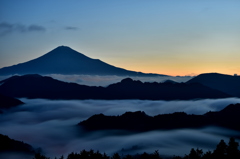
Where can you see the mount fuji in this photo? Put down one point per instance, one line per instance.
(64, 60)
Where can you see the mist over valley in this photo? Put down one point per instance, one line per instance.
(52, 125)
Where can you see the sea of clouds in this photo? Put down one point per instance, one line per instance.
(52, 125)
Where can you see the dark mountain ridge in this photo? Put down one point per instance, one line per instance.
(36, 86)
(139, 121)
(8, 102)
(11, 145)
(64, 60)
(224, 83)
(130, 89)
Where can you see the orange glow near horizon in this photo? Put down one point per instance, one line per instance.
(185, 70)
(186, 73)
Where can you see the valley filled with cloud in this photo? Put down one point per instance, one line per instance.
(52, 125)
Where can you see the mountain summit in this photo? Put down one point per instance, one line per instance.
(224, 83)
(64, 60)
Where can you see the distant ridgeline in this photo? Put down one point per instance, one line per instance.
(139, 121)
(225, 83)
(64, 60)
(36, 86)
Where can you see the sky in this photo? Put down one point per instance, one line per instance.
(171, 37)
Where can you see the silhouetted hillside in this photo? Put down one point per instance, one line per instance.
(129, 89)
(8, 102)
(225, 83)
(170, 81)
(64, 60)
(10, 145)
(139, 121)
(36, 86)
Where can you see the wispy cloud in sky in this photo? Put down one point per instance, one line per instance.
(71, 28)
(36, 28)
(6, 28)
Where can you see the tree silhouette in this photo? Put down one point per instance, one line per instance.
(96, 155)
(145, 156)
(207, 155)
(156, 155)
(177, 157)
(128, 157)
(116, 156)
(39, 156)
(73, 156)
(195, 154)
(221, 151)
(105, 156)
(84, 154)
(232, 149)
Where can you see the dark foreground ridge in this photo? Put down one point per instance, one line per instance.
(36, 86)
(139, 121)
(10, 145)
(222, 151)
(64, 60)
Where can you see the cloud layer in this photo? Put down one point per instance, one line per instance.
(71, 28)
(51, 124)
(6, 28)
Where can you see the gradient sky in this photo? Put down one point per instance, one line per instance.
(173, 37)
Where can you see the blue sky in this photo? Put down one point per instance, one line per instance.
(174, 37)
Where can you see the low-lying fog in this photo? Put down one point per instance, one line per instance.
(51, 125)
